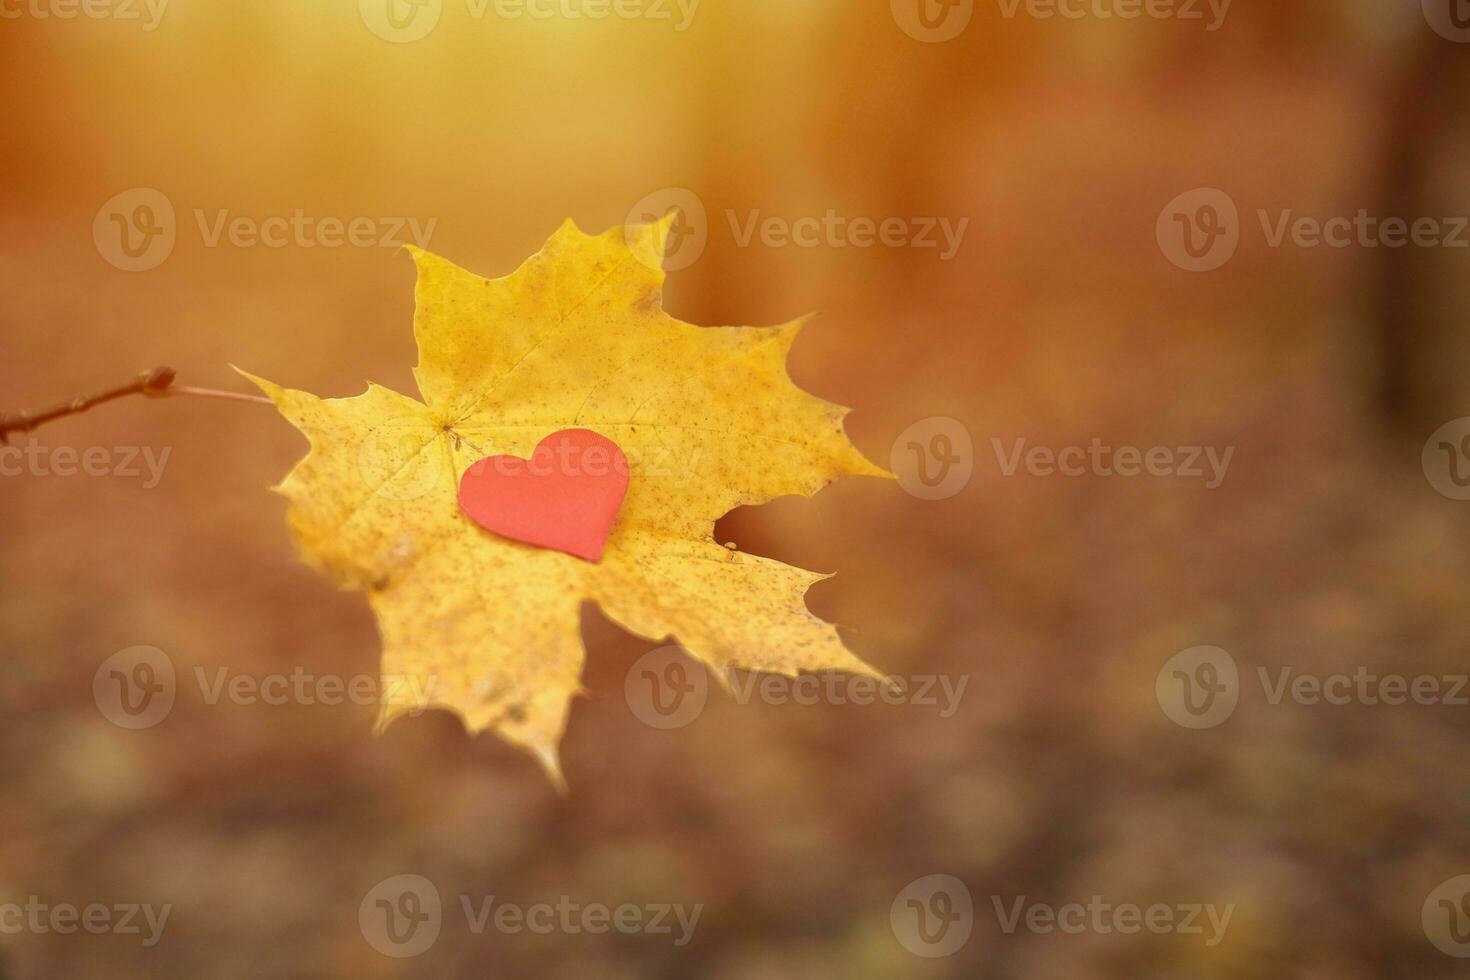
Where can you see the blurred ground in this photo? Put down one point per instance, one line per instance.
(1060, 320)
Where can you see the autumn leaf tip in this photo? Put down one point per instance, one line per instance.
(866, 467)
(550, 760)
(788, 332)
(270, 388)
(423, 259)
(386, 717)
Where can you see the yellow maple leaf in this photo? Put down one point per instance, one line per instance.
(576, 337)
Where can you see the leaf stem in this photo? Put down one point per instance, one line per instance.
(156, 383)
(235, 396)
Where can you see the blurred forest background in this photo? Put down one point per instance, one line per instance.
(1060, 320)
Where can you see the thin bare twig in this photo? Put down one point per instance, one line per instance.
(156, 383)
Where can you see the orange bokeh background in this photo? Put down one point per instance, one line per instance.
(1059, 320)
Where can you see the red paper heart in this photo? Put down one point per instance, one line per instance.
(565, 497)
